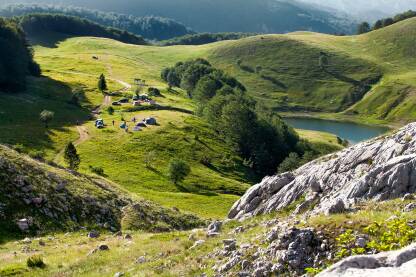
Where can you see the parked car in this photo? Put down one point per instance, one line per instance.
(99, 123)
(123, 100)
(116, 103)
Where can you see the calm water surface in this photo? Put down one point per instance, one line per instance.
(353, 132)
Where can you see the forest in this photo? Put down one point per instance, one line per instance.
(16, 57)
(34, 24)
(149, 27)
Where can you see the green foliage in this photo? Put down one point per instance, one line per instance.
(292, 162)
(204, 38)
(97, 170)
(46, 116)
(153, 92)
(363, 28)
(178, 170)
(16, 58)
(312, 271)
(110, 110)
(150, 27)
(102, 83)
(71, 156)
(35, 24)
(386, 236)
(149, 158)
(35, 261)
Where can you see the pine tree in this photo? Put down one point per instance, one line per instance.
(71, 156)
(102, 83)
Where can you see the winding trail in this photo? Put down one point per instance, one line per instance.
(83, 130)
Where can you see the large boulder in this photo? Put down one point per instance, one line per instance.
(401, 263)
(380, 169)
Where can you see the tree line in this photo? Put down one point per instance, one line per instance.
(34, 24)
(365, 27)
(16, 57)
(204, 38)
(149, 27)
(260, 137)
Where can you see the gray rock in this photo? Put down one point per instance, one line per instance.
(409, 207)
(197, 243)
(119, 274)
(141, 260)
(379, 169)
(23, 224)
(214, 228)
(361, 242)
(233, 261)
(335, 207)
(103, 247)
(407, 197)
(394, 263)
(93, 234)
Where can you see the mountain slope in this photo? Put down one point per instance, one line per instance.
(267, 16)
(51, 198)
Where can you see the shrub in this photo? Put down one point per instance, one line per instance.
(290, 163)
(97, 170)
(110, 110)
(154, 92)
(178, 170)
(35, 261)
(205, 160)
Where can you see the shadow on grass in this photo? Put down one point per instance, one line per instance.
(19, 121)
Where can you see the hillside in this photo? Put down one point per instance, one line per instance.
(149, 27)
(367, 77)
(49, 199)
(259, 16)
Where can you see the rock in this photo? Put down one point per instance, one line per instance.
(27, 241)
(407, 197)
(394, 263)
(128, 237)
(103, 247)
(23, 224)
(335, 207)
(230, 244)
(239, 229)
(409, 207)
(379, 169)
(141, 260)
(119, 274)
(245, 265)
(42, 243)
(361, 242)
(191, 237)
(233, 261)
(93, 234)
(214, 228)
(197, 243)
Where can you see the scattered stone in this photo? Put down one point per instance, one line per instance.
(230, 244)
(42, 243)
(197, 243)
(239, 229)
(214, 228)
(103, 247)
(93, 234)
(361, 242)
(128, 237)
(119, 274)
(27, 241)
(407, 197)
(233, 261)
(245, 265)
(23, 224)
(409, 207)
(141, 260)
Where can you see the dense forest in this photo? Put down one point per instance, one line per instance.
(262, 139)
(149, 27)
(216, 16)
(204, 38)
(34, 24)
(16, 57)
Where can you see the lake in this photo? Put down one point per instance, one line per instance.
(353, 132)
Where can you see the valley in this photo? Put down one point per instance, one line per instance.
(150, 224)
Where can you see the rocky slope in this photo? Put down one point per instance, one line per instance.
(36, 197)
(380, 169)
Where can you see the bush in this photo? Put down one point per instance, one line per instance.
(35, 261)
(205, 160)
(97, 170)
(290, 163)
(110, 110)
(154, 92)
(178, 170)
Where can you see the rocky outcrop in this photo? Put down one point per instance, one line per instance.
(379, 169)
(395, 263)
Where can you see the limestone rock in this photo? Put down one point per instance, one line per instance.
(380, 169)
(394, 263)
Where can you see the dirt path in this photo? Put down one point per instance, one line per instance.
(83, 135)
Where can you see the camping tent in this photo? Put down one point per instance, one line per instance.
(150, 121)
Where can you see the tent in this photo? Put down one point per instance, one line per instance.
(141, 124)
(150, 121)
